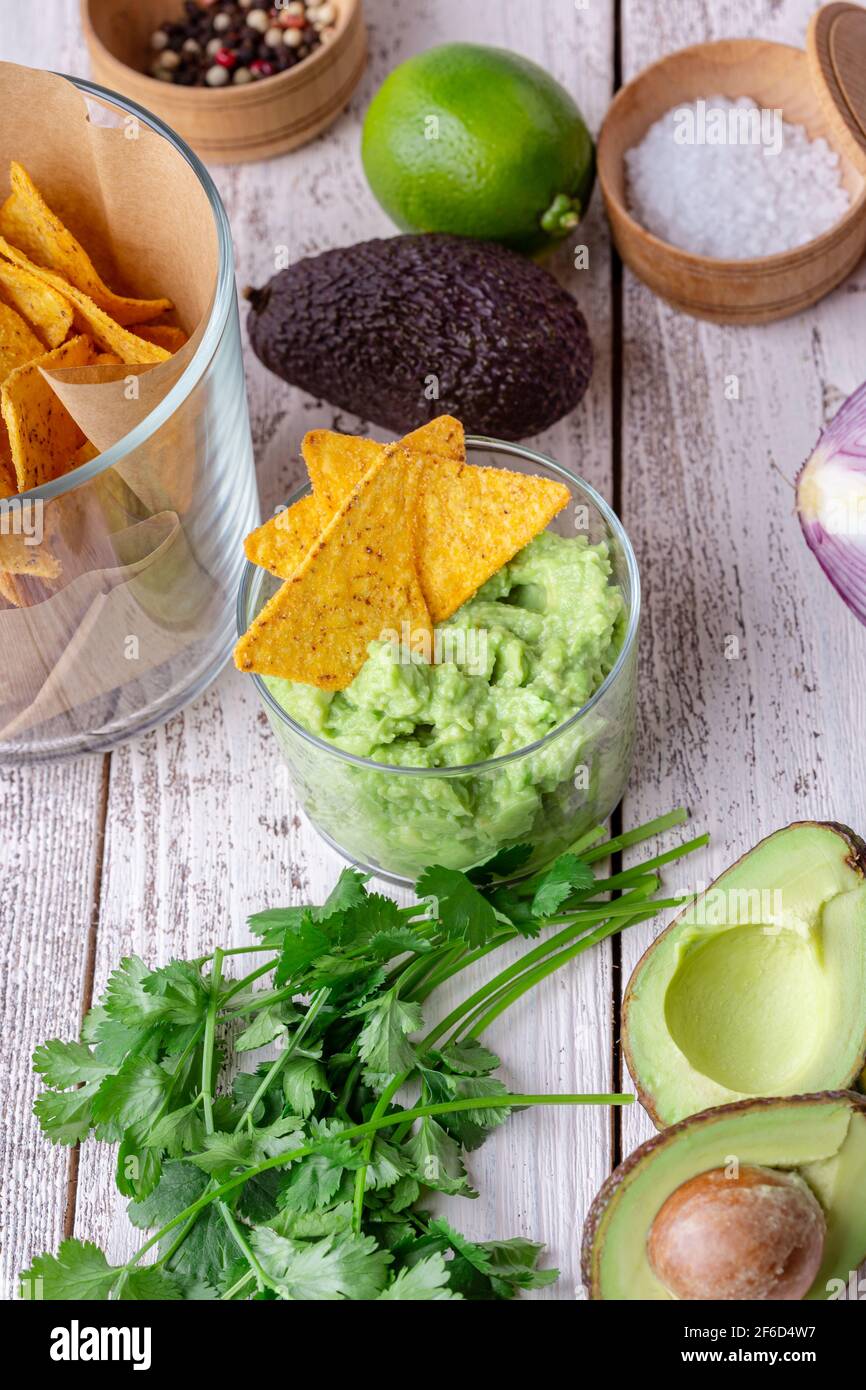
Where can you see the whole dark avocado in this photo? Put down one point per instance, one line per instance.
(405, 328)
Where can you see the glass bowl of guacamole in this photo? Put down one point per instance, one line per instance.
(521, 729)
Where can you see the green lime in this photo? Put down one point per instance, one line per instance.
(478, 142)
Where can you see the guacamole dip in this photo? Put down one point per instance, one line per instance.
(514, 663)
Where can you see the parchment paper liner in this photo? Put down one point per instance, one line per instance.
(144, 218)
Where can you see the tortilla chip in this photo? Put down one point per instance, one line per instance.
(471, 521)
(46, 310)
(443, 437)
(166, 335)
(283, 542)
(8, 480)
(42, 434)
(336, 463)
(87, 315)
(20, 554)
(358, 583)
(85, 454)
(18, 344)
(27, 222)
(12, 590)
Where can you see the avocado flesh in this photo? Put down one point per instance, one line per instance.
(759, 989)
(822, 1138)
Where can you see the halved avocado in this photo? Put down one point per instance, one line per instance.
(759, 987)
(820, 1137)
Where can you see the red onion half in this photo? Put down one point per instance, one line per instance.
(831, 502)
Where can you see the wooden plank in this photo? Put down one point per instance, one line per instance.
(49, 818)
(202, 830)
(752, 669)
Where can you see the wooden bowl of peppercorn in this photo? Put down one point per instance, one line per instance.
(238, 81)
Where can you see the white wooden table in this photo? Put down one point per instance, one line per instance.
(164, 847)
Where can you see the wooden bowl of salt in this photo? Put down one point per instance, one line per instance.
(822, 91)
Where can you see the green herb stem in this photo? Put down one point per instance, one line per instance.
(317, 1002)
(531, 978)
(261, 1277)
(210, 1040)
(545, 948)
(361, 1131)
(657, 826)
(361, 1174)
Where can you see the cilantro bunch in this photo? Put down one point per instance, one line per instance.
(303, 1177)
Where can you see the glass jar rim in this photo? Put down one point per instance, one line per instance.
(617, 530)
(222, 301)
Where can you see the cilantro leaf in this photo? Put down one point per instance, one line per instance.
(384, 945)
(222, 1152)
(469, 1057)
(312, 1225)
(209, 1248)
(125, 998)
(180, 1185)
(502, 865)
(425, 1281)
(469, 1127)
(338, 1267)
(436, 1159)
(302, 1077)
(147, 1284)
(403, 1194)
(132, 1095)
(181, 991)
(348, 891)
(65, 1117)
(267, 1024)
(79, 1271)
(464, 912)
(567, 875)
(63, 1064)
(515, 1261)
(273, 924)
(180, 1131)
(137, 1171)
(383, 1041)
(301, 946)
(492, 1269)
(312, 1182)
(387, 1165)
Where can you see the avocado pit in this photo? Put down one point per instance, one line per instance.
(758, 1234)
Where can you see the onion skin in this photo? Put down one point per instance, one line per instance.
(831, 502)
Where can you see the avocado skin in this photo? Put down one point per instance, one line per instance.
(618, 1176)
(365, 326)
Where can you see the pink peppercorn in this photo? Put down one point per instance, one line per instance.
(225, 58)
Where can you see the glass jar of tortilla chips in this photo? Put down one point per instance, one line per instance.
(396, 819)
(121, 527)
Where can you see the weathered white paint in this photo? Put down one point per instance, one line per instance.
(200, 831)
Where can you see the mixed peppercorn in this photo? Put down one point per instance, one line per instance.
(217, 42)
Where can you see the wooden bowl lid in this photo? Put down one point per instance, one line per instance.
(836, 45)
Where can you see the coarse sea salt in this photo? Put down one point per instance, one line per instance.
(726, 179)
